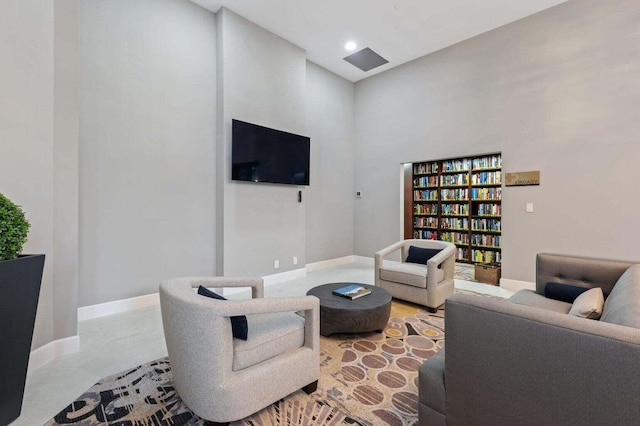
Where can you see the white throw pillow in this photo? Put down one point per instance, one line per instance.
(589, 304)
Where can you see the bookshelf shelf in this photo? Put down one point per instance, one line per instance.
(458, 200)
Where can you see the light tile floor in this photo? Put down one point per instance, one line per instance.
(117, 342)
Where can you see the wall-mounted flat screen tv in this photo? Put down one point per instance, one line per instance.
(261, 154)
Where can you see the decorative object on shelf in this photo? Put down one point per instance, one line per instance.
(20, 279)
(457, 200)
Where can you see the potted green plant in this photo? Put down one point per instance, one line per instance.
(20, 279)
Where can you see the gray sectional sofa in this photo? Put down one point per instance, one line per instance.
(527, 361)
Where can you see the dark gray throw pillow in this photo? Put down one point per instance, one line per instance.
(563, 292)
(421, 255)
(239, 326)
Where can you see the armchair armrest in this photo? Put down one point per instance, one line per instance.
(256, 284)
(310, 305)
(380, 255)
(515, 363)
(446, 258)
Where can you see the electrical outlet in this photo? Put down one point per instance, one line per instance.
(295, 260)
(276, 264)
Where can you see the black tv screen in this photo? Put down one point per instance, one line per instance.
(261, 154)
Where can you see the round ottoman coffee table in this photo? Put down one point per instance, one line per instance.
(341, 315)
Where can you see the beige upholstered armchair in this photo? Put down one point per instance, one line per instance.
(425, 284)
(222, 378)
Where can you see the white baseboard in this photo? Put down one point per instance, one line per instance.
(364, 259)
(125, 305)
(515, 285)
(316, 266)
(284, 276)
(52, 350)
(117, 306)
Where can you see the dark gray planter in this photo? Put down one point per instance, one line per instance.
(19, 291)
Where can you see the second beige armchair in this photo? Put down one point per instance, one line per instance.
(427, 284)
(222, 378)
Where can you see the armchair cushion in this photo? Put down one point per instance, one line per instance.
(421, 255)
(589, 304)
(407, 273)
(271, 335)
(239, 326)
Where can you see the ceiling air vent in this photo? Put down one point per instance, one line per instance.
(365, 59)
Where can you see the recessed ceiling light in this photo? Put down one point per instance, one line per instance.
(350, 46)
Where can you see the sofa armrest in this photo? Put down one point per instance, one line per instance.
(580, 271)
(509, 364)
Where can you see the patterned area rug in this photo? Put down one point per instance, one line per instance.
(366, 379)
(465, 271)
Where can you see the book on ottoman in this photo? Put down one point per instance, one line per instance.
(352, 291)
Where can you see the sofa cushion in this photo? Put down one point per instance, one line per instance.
(623, 304)
(239, 327)
(407, 273)
(589, 304)
(421, 255)
(563, 292)
(271, 335)
(531, 298)
(432, 391)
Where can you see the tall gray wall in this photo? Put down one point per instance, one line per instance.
(262, 81)
(147, 145)
(556, 92)
(66, 165)
(26, 133)
(330, 196)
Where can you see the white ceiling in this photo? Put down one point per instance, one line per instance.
(398, 30)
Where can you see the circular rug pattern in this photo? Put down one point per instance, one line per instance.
(365, 379)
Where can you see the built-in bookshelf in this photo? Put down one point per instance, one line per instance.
(459, 200)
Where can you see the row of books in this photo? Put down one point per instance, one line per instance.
(458, 194)
(485, 178)
(455, 237)
(421, 234)
(462, 210)
(486, 193)
(455, 223)
(422, 168)
(455, 209)
(425, 182)
(488, 209)
(486, 224)
(425, 209)
(421, 221)
(425, 195)
(492, 161)
(456, 179)
(460, 164)
(485, 240)
(462, 254)
(455, 194)
(455, 165)
(486, 256)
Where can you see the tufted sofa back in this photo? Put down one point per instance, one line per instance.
(585, 272)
